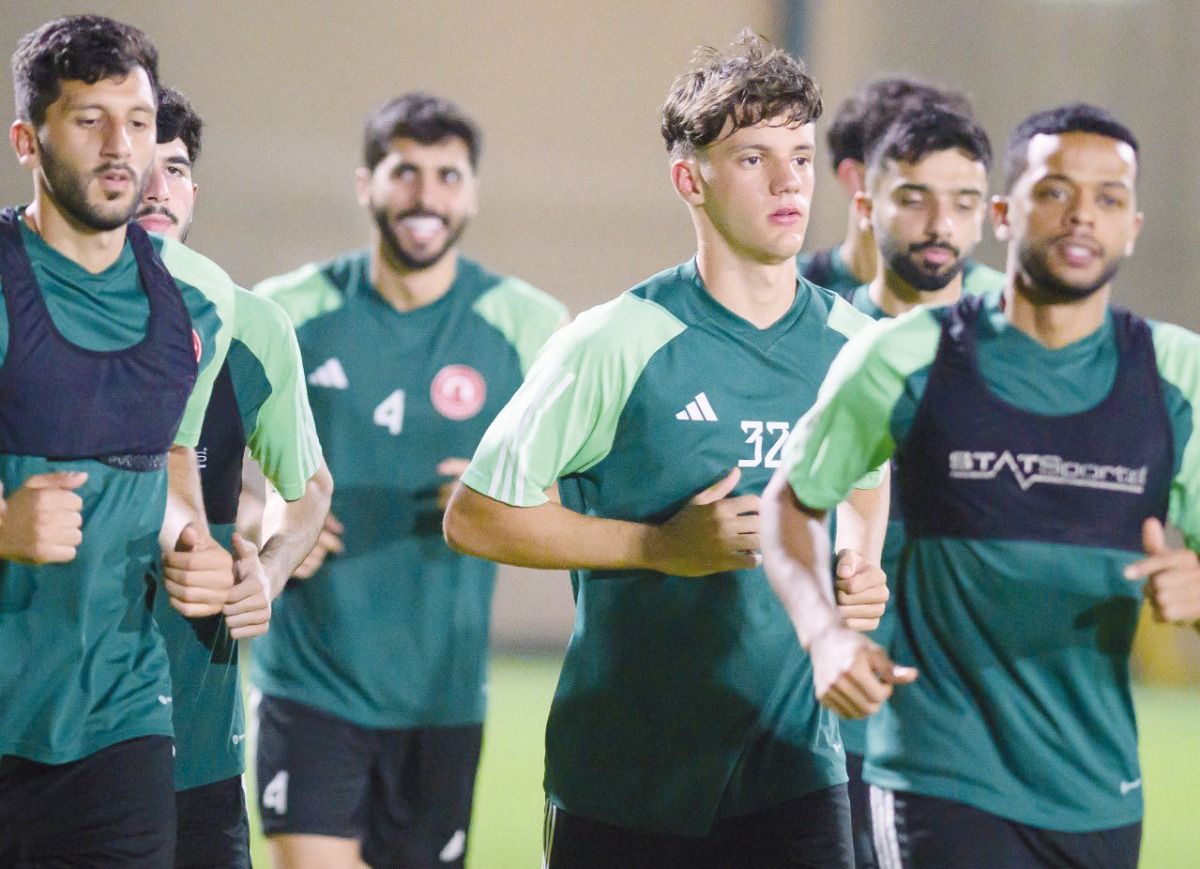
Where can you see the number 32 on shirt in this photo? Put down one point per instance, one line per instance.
(757, 431)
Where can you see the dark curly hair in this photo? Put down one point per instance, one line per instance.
(754, 83)
(919, 133)
(423, 118)
(178, 120)
(84, 48)
(1072, 118)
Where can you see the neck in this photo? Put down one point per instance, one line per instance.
(857, 252)
(1053, 324)
(407, 289)
(758, 292)
(894, 295)
(93, 249)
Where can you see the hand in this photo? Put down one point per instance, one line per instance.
(248, 607)
(1172, 577)
(861, 591)
(42, 521)
(330, 542)
(198, 574)
(453, 468)
(713, 533)
(852, 675)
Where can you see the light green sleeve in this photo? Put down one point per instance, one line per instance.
(284, 438)
(1178, 354)
(304, 293)
(201, 273)
(564, 417)
(847, 432)
(525, 315)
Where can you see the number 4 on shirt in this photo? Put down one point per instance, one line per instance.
(390, 412)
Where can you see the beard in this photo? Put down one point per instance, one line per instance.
(903, 262)
(67, 186)
(1035, 265)
(396, 250)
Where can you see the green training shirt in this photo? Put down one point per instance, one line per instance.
(272, 403)
(394, 631)
(1023, 706)
(681, 700)
(85, 666)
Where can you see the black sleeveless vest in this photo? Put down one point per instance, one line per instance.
(975, 466)
(63, 401)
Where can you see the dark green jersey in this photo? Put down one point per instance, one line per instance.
(263, 388)
(394, 631)
(1023, 706)
(84, 664)
(681, 700)
(825, 268)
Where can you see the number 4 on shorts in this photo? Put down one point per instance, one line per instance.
(274, 795)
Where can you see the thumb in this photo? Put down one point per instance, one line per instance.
(848, 563)
(903, 675)
(719, 489)
(57, 480)
(243, 548)
(889, 671)
(189, 539)
(1154, 540)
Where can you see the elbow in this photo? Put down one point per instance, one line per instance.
(320, 487)
(456, 523)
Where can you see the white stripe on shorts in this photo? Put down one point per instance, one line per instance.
(883, 828)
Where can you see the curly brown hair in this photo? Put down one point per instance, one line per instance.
(753, 83)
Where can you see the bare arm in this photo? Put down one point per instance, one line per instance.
(861, 584)
(862, 520)
(851, 674)
(712, 533)
(298, 531)
(197, 572)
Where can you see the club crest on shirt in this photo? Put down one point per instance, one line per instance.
(458, 392)
(197, 344)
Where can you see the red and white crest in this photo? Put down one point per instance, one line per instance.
(197, 345)
(458, 392)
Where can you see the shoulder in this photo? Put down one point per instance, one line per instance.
(195, 270)
(979, 279)
(1177, 351)
(840, 316)
(898, 347)
(514, 294)
(313, 289)
(258, 318)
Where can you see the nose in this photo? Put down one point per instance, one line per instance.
(1082, 211)
(786, 178)
(117, 144)
(942, 219)
(156, 186)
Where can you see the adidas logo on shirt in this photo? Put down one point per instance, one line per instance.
(698, 410)
(330, 374)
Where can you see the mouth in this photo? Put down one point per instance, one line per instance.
(786, 216)
(1077, 251)
(423, 228)
(935, 255)
(156, 220)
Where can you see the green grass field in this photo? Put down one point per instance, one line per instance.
(507, 827)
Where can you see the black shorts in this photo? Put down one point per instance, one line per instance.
(914, 831)
(213, 832)
(860, 814)
(112, 808)
(811, 832)
(404, 794)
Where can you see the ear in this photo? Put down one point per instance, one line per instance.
(362, 185)
(853, 175)
(863, 207)
(25, 142)
(195, 190)
(999, 211)
(685, 176)
(1138, 220)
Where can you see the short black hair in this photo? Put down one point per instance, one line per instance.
(866, 115)
(84, 48)
(753, 83)
(423, 118)
(918, 133)
(178, 120)
(1071, 118)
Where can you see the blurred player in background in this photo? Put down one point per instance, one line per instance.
(923, 204)
(682, 733)
(860, 121)
(259, 399)
(110, 341)
(374, 672)
(1041, 439)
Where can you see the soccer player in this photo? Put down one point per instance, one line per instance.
(259, 399)
(924, 203)
(1040, 442)
(104, 334)
(860, 121)
(681, 734)
(373, 675)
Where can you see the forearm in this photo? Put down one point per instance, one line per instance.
(862, 521)
(795, 548)
(298, 531)
(185, 499)
(548, 536)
